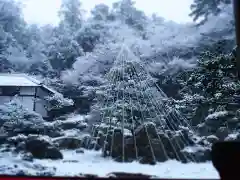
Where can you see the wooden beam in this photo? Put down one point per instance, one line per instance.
(236, 10)
(35, 99)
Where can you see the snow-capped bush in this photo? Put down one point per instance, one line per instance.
(15, 112)
(16, 119)
(57, 101)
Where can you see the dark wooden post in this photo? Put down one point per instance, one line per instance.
(236, 10)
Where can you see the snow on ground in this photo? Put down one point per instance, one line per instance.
(91, 162)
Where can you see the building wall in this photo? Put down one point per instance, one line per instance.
(5, 99)
(40, 107)
(27, 91)
(27, 98)
(41, 104)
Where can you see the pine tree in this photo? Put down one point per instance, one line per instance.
(204, 8)
(130, 96)
(210, 88)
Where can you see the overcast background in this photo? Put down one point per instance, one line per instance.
(45, 11)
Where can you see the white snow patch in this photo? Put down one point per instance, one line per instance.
(19, 136)
(193, 149)
(127, 132)
(91, 162)
(75, 118)
(232, 136)
(74, 133)
(215, 115)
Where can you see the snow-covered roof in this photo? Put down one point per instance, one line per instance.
(49, 89)
(21, 80)
(16, 80)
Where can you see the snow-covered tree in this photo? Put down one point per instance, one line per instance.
(129, 96)
(89, 35)
(16, 118)
(71, 14)
(62, 50)
(127, 13)
(100, 12)
(12, 27)
(213, 84)
(204, 8)
(12, 20)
